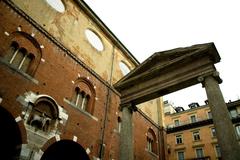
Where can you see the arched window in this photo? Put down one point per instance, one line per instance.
(19, 58)
(23, 53)
(151, 141)
(44, 115)
(94, 39)
(80, 99)
(57, 5)
(119, 124)
(124, 68)
(84, 95)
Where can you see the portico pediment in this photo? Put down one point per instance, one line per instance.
(168, 71)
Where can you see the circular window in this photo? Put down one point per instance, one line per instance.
(124, 68)
(94, 40)
(57, 5)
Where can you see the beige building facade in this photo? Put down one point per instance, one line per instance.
(191, 134)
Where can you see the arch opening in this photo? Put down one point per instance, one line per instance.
(10, 136)
(65, 149)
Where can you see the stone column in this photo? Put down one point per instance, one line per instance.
(126, 134)
(226, 136)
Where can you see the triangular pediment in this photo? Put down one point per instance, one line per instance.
(160, 60)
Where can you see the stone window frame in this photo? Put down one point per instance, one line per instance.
(179, 139)
(213, 134)
(176, 124)
(217, 151)
(208, 112)
(196, 136)
(190, 118)
(196, 152)
(31, 48)
(181, 151)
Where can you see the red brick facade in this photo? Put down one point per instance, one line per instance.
(56, 72)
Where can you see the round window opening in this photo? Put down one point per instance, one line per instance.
(57, 5)
(124, 68)
(94, 40)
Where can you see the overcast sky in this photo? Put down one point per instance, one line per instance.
(148, 26)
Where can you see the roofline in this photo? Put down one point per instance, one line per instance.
(229, 105)
(106, 30)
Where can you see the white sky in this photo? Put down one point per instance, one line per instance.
(145, 27)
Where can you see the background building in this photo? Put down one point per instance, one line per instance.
(58, 64)
(191, 133)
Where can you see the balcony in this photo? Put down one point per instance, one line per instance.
(200, 121)
(183, 125)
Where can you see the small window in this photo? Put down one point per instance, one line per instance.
(180, 155)
(213, 130)
(199, 153)
(209, 114)
(176, 122)
(179, 139)
(119, 124)
(237, 127)
(196, 136)
(233, 113)
(124, 68)
(217, 150)
(94, 40)
(193, 119)
(57, 5)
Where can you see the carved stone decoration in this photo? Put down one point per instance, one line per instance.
(43, 119)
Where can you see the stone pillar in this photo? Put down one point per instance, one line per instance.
(126, 134)
(226, 136)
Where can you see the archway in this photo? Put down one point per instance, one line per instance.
(64, 150)
(10, 136)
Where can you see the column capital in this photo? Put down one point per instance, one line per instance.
(132, 107)
(214, 74)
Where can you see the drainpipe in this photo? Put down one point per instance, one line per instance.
(102, 145)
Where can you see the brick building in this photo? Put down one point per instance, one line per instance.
(58, 64)
(191, 133)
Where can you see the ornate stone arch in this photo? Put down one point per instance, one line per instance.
(44, 114)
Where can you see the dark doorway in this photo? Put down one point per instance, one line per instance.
(65, 150)
(10, 136)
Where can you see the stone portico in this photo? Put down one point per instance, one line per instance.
(169, 71)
